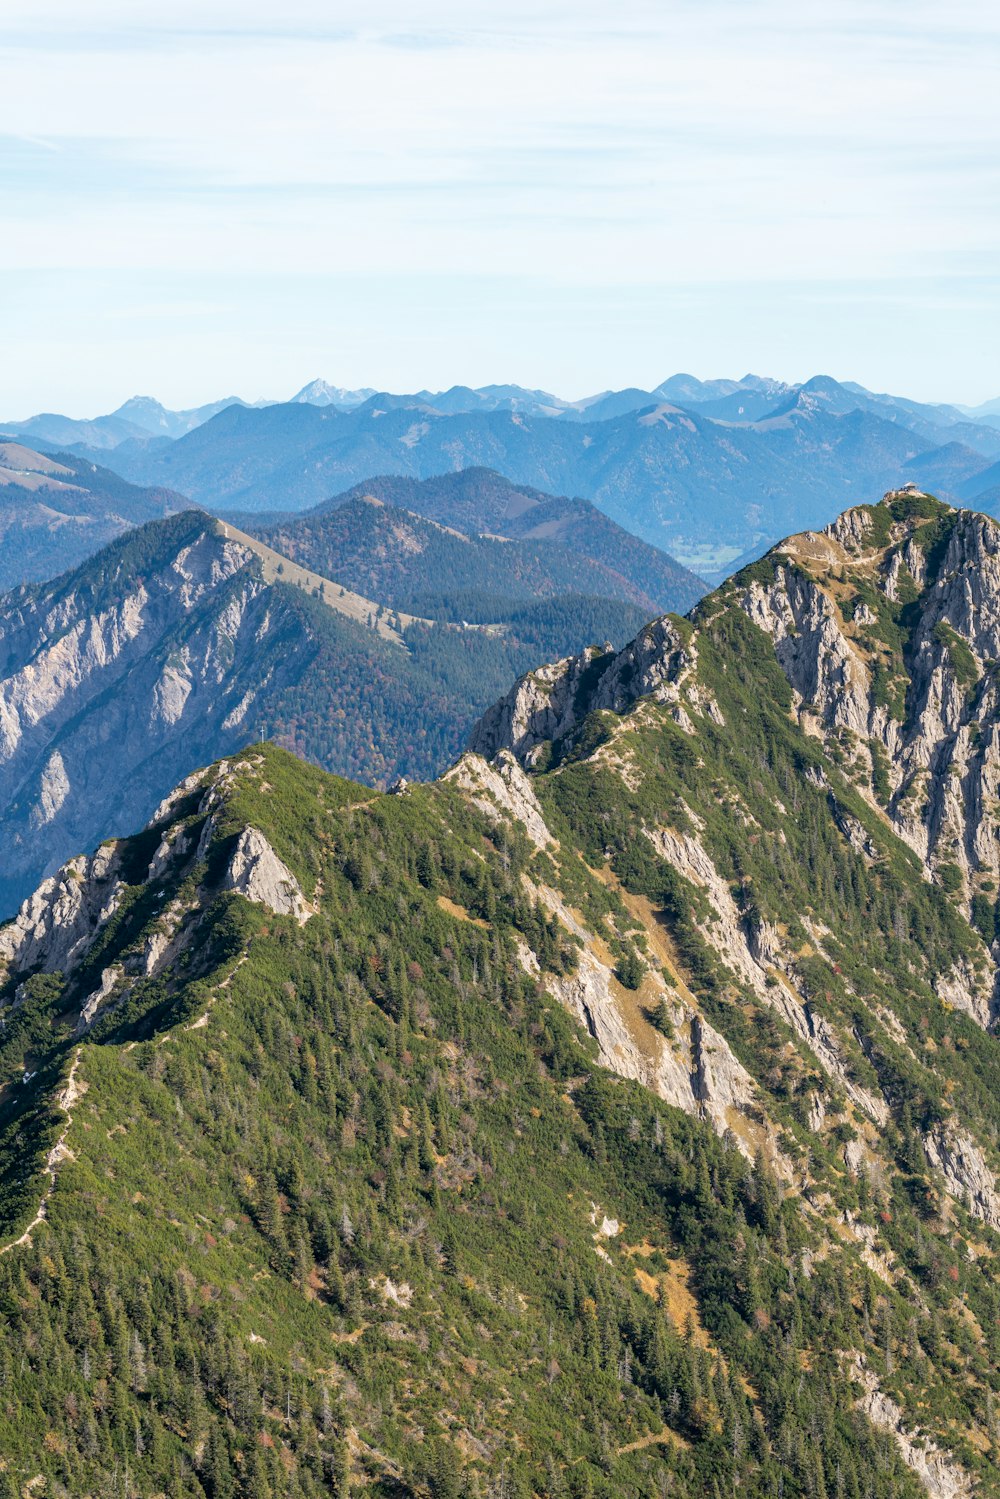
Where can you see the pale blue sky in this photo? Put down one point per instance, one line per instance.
(200, 199)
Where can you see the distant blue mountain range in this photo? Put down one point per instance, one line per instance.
(709, 471)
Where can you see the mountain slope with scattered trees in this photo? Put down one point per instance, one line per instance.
(616, 1115)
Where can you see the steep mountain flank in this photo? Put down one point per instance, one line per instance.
(186, 638)
(313, 1186)
(115, 679)
(888, 629)
(796, 789)
(617, 1115)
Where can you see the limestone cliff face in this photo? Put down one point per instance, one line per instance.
(502, 786)
(117, 679)
(542, 707)
(914, 678)
(550, 704)
(940, 1475)
(254, 870)
(910, 685)
(886, 627)
(60, 919)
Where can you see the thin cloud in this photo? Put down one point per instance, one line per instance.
(663, 145)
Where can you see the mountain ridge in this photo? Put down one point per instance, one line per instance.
(185, 636)
(699, 997)
(708, 471)
(651, 471)
(508, 535)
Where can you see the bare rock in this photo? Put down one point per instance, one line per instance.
(256, 872)
(542, 706)
(97, 1000)
(939, 1473)
(502, 786)
(58, 922)
(966, 1175)
(551, 703)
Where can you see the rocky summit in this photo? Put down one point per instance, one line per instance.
(616, 1115)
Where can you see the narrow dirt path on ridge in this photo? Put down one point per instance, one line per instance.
(59, 1152)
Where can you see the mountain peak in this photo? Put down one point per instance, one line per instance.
(136, 404)
(886, 625)
(321, 393)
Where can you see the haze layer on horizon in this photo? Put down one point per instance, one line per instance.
(212, 198)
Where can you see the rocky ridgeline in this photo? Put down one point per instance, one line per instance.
(65, 922)
(909, 686)
(887, 628)
(621, 788)
(550, 705)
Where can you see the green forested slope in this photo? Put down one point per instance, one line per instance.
(331, 1202)
(615, 1116)
(475, 529)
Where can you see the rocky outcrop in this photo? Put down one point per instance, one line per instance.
(53, 791)
(98, 998)
(62, 917)
(824, 668)
(255, 871)
(966, 989)
(942, 756)
(502, 787)
(549, 705)
(853, 830)
(543, 706)
(967, 1178)
(57, 927)
(719, 1082)
(940, 1474)
(694, 1070)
